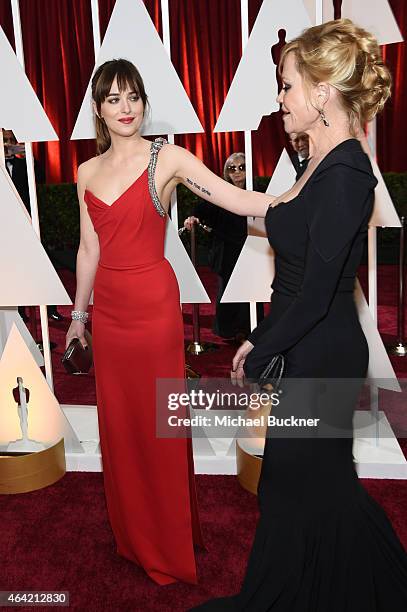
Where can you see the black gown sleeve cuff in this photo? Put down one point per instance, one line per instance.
(255, 364)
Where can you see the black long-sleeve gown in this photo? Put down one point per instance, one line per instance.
(322, 543)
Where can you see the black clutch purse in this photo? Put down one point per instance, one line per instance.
(270, 378)
(76, 359)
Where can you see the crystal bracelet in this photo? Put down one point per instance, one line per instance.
(79, 315)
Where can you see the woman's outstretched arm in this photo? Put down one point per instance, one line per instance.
(191, 172)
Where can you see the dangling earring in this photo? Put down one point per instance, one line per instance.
(323, 118)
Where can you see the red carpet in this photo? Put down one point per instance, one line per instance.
(59, 538)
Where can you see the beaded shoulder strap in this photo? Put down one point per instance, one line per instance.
(155, 148)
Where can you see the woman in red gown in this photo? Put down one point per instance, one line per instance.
(124, 193)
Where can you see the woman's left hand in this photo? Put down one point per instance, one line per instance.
(237, 373)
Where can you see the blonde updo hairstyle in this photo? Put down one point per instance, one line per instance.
(348, 58)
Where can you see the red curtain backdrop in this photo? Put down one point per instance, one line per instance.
(59, 58)
(392, 123)
(205, 49)
(6, 21)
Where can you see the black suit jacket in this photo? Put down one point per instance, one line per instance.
(299, 167)
(20, 178)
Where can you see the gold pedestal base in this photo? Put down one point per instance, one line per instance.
(248, 469)
(23, 472)
(196, 348)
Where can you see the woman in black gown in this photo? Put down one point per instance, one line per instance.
(321, 544)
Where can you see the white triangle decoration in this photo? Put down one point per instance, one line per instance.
(375, 17)
(191, 288)
(380, 367)
(310, 7)
(46, 421)
(224, 447)
(20, 109)
(384, 212)
(251, 97)
(219, 447)
(201, 444)
(256, 227)
(27, 275)
(253, 273)
(9, 317)
(283, 177)
(132, 35)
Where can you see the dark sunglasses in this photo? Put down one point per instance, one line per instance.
(232, 169)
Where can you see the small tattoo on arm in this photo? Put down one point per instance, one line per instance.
(193, 184)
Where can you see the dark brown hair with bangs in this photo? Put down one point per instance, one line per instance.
(127, 76)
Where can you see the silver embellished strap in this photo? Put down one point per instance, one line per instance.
(155, 147)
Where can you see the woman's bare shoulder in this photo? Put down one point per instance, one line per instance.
(171, 151)
(173, 156)
(88, 167)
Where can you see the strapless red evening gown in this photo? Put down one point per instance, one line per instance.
(138, 337)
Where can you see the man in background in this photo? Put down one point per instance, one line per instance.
(300, 158)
